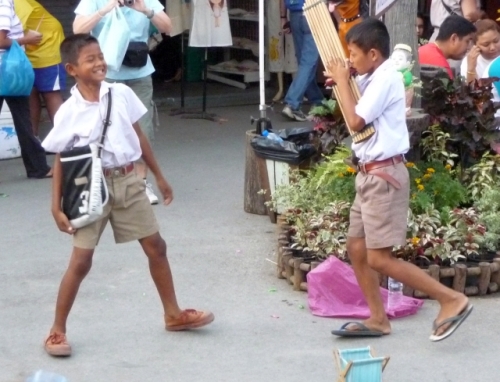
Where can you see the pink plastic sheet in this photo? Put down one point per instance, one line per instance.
(334, 292)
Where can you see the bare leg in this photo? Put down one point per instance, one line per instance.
(79, 266)
(53, 100)
(156, 251)
(369, 284)
(279, 95)
(35, 111)
(452, 302)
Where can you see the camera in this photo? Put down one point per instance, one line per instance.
(129, 2)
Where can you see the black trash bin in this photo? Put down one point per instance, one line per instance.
(295, 148)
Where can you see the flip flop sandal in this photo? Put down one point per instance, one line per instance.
(361, 331)
(455, 322)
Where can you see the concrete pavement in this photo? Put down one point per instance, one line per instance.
(218, 254)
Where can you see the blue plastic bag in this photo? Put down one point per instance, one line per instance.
(114, 39)
(16, 72)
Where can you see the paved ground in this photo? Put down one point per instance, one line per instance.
(218, 254)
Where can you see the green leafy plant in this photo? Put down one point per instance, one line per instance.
(434, 145)
(464, 111)
(329, 126)
(433, 184)
(488, 206)
(322, 233)
(484, 175)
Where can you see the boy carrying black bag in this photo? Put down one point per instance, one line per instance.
(78, 123)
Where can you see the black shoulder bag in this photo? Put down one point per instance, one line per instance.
(84, 190)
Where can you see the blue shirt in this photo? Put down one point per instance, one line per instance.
(139, 31)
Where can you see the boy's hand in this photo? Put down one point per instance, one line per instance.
(165, 190)
(338, 70)
(63, 223)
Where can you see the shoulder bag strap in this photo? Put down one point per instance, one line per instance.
(448, 9)
(106, 123)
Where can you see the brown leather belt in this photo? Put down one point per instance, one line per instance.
(372, 168)
(119, 171)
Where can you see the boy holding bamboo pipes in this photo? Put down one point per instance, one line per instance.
(378, 217)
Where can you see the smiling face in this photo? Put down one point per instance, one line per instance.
(90, 66)
(400, 60)
(489, 44)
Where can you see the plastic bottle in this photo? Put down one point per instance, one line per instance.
(46, 376)
(272, 136)
(395, 293)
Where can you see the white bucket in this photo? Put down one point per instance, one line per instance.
(9, 144)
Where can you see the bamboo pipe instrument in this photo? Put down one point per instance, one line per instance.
(329, 46)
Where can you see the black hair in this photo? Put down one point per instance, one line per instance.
(420, 15)
(71, 46)
(370, 34)
(455, 25)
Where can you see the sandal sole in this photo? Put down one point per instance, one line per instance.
(207, 320)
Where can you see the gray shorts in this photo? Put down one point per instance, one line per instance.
(143, 89)
(380, 211)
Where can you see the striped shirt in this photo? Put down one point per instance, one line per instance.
(9, 21)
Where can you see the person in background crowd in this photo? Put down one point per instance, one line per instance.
(441, 9)
(50, 76)
(32, 152)
(421, 26)
(307, 55)
(485, 50)
(453, 41)
(91, 16)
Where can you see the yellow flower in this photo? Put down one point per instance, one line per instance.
(448, 167)
(427, 176)
(420, 187)
(431, 170)
(413, 196)
(410, 164)
(351, 170)
(341, 175)
(418, 180)
(415, 240)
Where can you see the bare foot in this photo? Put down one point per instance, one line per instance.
(383, 326)
(50, 174)
(450, 308)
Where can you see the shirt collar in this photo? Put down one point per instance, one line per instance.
(102, 92)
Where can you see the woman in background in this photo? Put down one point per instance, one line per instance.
(50, 75)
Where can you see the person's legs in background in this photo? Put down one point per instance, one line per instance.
(32, 152)
(49, 82)
(304, 82)
(143, 88)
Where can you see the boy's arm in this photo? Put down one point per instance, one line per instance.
(339, 71)
(150, 160)
(61, 219)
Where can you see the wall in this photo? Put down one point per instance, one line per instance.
(63, 11)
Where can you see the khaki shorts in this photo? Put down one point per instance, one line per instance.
(128, 210)
(380, 211)
(143, 89)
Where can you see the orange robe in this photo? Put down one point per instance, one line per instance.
(348, 11)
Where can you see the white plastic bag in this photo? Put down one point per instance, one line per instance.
(114, 39)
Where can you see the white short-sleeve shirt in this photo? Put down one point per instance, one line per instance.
(79, 122)
(382, 104)
(9, 21)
